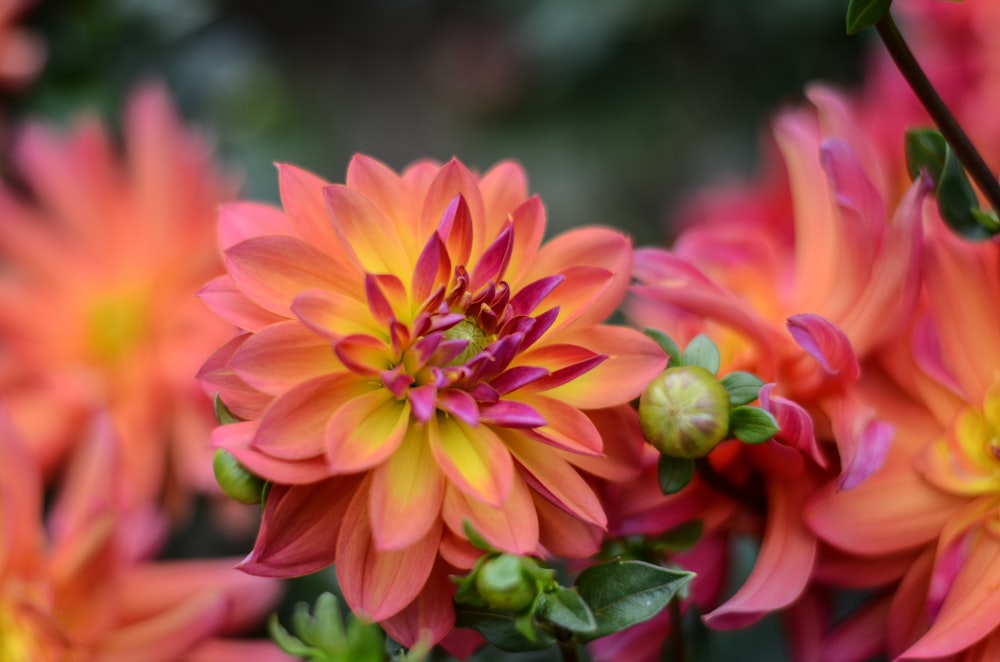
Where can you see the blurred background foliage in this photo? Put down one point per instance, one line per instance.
(616, 108)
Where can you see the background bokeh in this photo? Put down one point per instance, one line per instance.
(617, 109)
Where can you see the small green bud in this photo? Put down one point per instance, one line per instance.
(504, 583)
(235, 480)
(684, 412)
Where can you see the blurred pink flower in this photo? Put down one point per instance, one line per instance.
(99, 257)
(81, 588)
(798, 279)
(416, 358)
(21, 54)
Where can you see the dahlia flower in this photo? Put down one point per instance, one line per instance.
(81, 587)
(937, 497)
(98, 262)
(415, 358)
(797, 280)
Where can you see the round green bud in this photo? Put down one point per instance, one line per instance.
(235, 480)
(503, 583)
(684, 412)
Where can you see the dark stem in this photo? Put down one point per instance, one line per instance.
(567, 645)
(936, 108)
(677, 631)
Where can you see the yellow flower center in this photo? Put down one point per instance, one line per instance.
(17, 641)
(115, 326)
(468, 330)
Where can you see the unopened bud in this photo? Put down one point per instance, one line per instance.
(684, 412)
(235, 480)
(504, 583)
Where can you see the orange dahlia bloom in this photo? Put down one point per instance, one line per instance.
(416, 358)
(99, 256)
(938, 496)
(81, 588)
(798, 280)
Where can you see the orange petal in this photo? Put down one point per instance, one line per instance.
(282, 355)
(294, 426)
(334, 315)
(596, 248)
(366, 235)
(972, 609)
(302, 197)
(555, 478)
(566, 427)
(430, 617)
(473, 458)
(365, 431)
(563, 534)
(406, 493)
(529, 230)
(236, 438)
(378, 584)
(272, 271)
(504, 188)
(222, 296)
(633, 361)
(242, 220)
(782, 570)
(511, 527)
(451, 180)
(390, 193)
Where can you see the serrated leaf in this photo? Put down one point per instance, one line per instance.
(743, 387)
(702, 352)
(674, 473)
(500, 629)
(752, 425)
(222, 413)
(863, 14)
(564, 607)
(667, 344)
(623, 593)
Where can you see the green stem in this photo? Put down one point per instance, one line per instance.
(966, 152)
(677, 631)
(567, 645)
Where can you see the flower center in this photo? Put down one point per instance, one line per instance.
(470, 331)
(115, 326)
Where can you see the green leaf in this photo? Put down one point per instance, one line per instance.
(500, 629)
(285, 641)
(925, 151)
(702, 352)
(743, 387)
(679, 538)
(222, 413)
(326, 625)
(956, 199)
(752, 425)
(674, 473)
(564, 607)
(928, 151)
(667, 344)
(623, 593)
(863, 14)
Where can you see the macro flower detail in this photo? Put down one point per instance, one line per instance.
(415, 358)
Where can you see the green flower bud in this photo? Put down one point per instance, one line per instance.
(685, 412)
(504, 583)
(235, 480)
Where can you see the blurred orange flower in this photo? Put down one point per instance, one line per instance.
(100, 255)
(81, 587)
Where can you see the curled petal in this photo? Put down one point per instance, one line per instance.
(795, 423)
(826, 343)
(862, 440)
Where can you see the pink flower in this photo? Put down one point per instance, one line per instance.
(99, 262)
(81, 588)
(798, 280)
(21, 54)
(415, 358)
